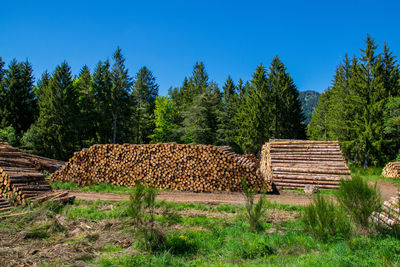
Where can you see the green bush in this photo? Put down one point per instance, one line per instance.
(398, 156)
(32, 142)
(325, 220)
(9, 135)
(253, 248)
(181, 244)
(254, 211)
(359, 199)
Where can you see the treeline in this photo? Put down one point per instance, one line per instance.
(362, 107)
(61, 114)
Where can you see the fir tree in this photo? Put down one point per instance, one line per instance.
(145, 92)
(19, 106)
(58, 110)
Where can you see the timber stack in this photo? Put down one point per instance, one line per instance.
(4, 205)
(391, 170)
(19, 176)
(389, 216)
(293, 164)
(197, 168)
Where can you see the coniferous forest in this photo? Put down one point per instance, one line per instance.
(60, 113)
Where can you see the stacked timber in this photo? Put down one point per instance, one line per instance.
(391, 170)
(197, 168)
(4, 205)
(19, 176)
(389, 216)
(293, 164)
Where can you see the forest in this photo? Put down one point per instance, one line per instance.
(60, 113)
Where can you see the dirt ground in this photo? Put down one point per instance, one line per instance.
(285, 197)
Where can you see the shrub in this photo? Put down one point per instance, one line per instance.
(359, 199)
(254, 211)
(325, 220)
(181, 244)
(141, 208)
(398, 156)
(32, 142)
(253, 248)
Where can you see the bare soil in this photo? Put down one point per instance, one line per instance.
(388, 189)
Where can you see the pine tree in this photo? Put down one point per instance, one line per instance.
(369, 87)
(102, 84)
(145, 91)
(19, 106)
(120, 101)
(226, 129)
(254, 114)
(58, 110)
(287, 117)
(391, 72)
(318, 129)
(87, 110)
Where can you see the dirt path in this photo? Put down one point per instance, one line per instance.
(286, 197)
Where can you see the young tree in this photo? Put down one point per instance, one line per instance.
(318, 129)
(145, 91)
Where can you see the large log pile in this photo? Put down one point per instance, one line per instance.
(293, 164)
(389, 216)
(19, 176)
(391, 170)
(197, 168)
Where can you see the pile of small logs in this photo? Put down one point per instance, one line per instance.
(19, 176)
(389, 216)
(4, 205)
(293, 164)
(197, 168)
(391, 170)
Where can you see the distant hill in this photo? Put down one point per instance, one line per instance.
(309, 101)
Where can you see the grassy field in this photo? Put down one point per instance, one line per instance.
(103, 234)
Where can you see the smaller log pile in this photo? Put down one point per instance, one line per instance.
(19, 178)
(197, 168)
(389, 216)
(391, 170)
(4, 205)
(293, 164)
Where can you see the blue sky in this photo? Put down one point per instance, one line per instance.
(230, 37)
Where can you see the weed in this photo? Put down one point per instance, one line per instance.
(181, 244)
(325, 220)
(359, 199)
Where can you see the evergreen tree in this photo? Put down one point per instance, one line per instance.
(254, 114)
(58, 111)
(369, 87)
(120, 101)
(391, 117)
(165, 120)
(87, 110)
(19, 102)
(391, 72)
(226, 129)
(287, 117)
(145, 92)
(102, 84)
(318, 129)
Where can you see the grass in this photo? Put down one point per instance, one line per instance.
(196, 238)
(102, 187)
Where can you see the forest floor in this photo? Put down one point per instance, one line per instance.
(388, 189)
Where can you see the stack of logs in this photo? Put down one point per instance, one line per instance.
(19, 176)
(293, 164)
(197, 168)
(389, 216)
(4, 205)
(391, 170)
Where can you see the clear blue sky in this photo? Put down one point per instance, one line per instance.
(230, 37)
